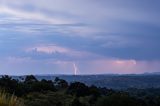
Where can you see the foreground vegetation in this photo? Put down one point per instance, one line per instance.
(29, 91)
(9, 100)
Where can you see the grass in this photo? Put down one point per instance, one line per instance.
(9, 100)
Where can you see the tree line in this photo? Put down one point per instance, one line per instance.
(34, 92)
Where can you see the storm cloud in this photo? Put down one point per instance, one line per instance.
(50, 36)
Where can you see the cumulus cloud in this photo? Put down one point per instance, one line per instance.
(48, 49)
(59, 53)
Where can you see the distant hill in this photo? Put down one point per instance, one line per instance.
(147, 80)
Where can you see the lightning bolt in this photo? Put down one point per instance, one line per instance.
(75, 69)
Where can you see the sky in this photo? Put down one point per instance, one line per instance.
(79, 36)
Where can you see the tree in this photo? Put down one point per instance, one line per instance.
(78, 89)
(60, 83)
(93, 90)
(8, 83)
(30, 79)
(43, 85)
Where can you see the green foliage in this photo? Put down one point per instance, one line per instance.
(43, 92)
(48, 99)
(78, 89)
(60, 83)
(30, 84)
(8, 83)
(93, 90)
(117, 99)
(76, 102)
(30, 79)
